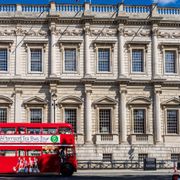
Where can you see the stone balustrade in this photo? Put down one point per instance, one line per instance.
(93, 8)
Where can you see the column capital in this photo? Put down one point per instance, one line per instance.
(155, 30)
(87, 29)
(122, 88)
(52, 28)
(120, 29)
(157, 89)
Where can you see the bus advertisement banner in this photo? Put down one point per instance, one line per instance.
(29, 139)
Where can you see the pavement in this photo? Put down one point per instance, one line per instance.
(124, 172)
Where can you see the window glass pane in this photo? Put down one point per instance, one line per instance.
(104, 59)
(33, 152)
(70, 117)
(137, 60)
(36, 60)
(172, 119)
(65, 131)
(107, 157)
(3, 60)
(175, 157)
(105, 120)
(20, 153)
(139, 120)
(170, 61)
(33, 130)
(49, 130)
(36, 115)
(8, 130)
(3, 115)
(7, 153)
(141, 157)
(21, 130)
(70, 59)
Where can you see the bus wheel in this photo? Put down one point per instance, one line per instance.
(67, 169)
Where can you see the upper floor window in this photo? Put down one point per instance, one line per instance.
(70, 62)
(36, 115)
(105, 120)
(137, 60)
(172, 121)
(3, 59)
(104, 59)
(71, 117)
(3, 115)
(139, 116)
(170, 61)
(36, 60)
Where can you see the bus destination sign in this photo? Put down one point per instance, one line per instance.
(29, 138)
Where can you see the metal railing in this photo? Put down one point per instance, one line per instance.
(122, 164)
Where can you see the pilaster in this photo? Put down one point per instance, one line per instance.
(18, 101)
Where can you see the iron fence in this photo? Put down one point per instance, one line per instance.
(122, 164)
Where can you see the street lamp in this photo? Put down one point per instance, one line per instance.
(54, 98)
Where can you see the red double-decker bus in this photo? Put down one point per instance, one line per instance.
(37, 148)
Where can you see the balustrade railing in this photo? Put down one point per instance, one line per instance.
(7, 8)
(136, 9)
(168, 11)
(103, 8)
(35, 8)
(69, 7)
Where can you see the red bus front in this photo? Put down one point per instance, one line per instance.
(37, 148)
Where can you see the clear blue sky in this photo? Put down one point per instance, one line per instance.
(167, 3)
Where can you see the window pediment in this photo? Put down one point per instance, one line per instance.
(5, 101)
(70, 100)
(34, 101)
(171, 102)
(141, 100)
(105, 101)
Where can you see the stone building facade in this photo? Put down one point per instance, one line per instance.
(113, 71)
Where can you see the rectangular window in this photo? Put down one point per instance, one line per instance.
(172, 121)
(3, 115)
(36, 60)
(175, 157)
(104, 59)
(105, 120)
(141, 157)
(170, 61)
(36, 115)
(137, 60)
(107, 157)
(71, 117)
(139, 120)
(3, 60)
(70, 60)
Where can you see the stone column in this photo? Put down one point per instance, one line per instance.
(121, 50)
(86, 50)
(88, 118)
(155, 72)
(157, 114)
(53, 53)
(123, 124)
(53, 101)
(17, 105)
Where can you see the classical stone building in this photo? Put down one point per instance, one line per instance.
(113, 71)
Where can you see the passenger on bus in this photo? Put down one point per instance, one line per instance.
(31, 164)
(35, 168)
(62, 155)
(25, 165)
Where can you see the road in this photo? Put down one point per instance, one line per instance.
(101, 175)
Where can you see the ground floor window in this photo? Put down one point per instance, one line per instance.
(175, 157)
(141, 157)
(107, 157)
(36, 115)
(105, 121)
(3, 115)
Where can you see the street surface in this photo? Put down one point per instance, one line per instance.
(101, 175)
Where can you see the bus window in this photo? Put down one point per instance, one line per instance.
(20, 153)
(21, 130)
(7, 153)
(70, 151)
(49, 131)
(33, 130)
(65, 131)
(33, 153)
(8, 130)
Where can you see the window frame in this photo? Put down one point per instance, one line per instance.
(7, 109)
(29, 113)
(77, 59)
(77, 113)
(8, 59)
(146, 119)
(176, 61)
(142, 47)
(29, 60)
(178, 120)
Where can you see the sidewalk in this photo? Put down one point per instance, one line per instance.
(117, 172)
